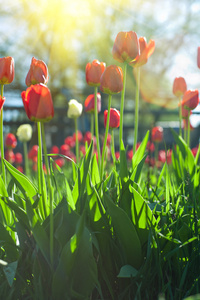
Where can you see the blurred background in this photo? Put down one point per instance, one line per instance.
(67, 35)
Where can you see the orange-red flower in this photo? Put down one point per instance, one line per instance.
(191, 99)
(114, 118)
(146, 50)
(126, 46)
(179, 86)
(38, 72)
(112, 80)
(93, 72)
(7, 71)
(18, 158)
(10, 141)
(157, 134)
(2, 100)
(89, 103)
(38, 103)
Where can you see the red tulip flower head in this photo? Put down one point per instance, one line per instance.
(10, 141)
(18, 158)
(146, 50)
(191, 99)
(38, 103)
(93, 72)
(157, 134)
(112, 80)
(2, 100)
(33, 153)
(38, 73)
(54, 150)
(114, 118)
(80, 136)
(69, 140)
(126, 46)
(10, 156)
(7, 71)
(89, 103)
(179, 86)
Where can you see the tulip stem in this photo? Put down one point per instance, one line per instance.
(2, 143)
(26, 158)
(180, 117)
(122, 106)
(188, 131)
(97, 126)
(137, 95)
(76, 134)
(40, 170)
(92, 124)
(113, 149)
(50, 192)
(105, 137)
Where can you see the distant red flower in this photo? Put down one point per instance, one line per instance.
(146, 50)
(179, 86)
(38, 72)
(38, 103)
(162, 156)
(126, 46)
(33, 153)
(117, 155)
(10, 156)
(10, 141)
(82, 149)
(60, 162)
(70, 141)
(2, 100)
(130, 154)
(114, 118)
(150, 161)
(18, 158)
(108, 139)
(20, 169)
(191, 99)
(112, 80)
(7, 71)
(194, 150)
(150, 146)
(157, 134)
(89, 103)
(93, 72)
(64, 149)
(87, 137)
(54, 150)
(80, 136)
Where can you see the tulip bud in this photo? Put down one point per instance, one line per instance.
(89, 103)
(93, 72)
(38, 103)
(10, 141)
(38, 73)
(179, 86)
(114, 118)
(112, 80)
(7, 70)
(24, 132)
(75, 109)
(157, 134)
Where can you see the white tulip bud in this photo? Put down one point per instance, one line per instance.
(24, 132)
(75, 109)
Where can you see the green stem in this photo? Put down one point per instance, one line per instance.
(40, 169)
(76, 133)
(2, 143)
(97, 126)
(113, 149)
(92, 124)
(105, 137)
(122, 106)
(185, 131)
(180, 117)
(26, 158)
(50, 192)
(137, 94)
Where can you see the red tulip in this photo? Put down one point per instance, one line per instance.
(126, 46)
(38, 103)
(191, 99)
(146, 50)
(10, 156)
(10, 141)
(117, 155)
(130, 154)
(150, 146)
(194, 150)
(18, 158)
(54, 150)
(64, 149)
(80, 136)
(112, 80)
(87, 137)
(93, 72)
(7, 71)
(89, 103)
(82, 149)
(33, 153)
(60, 162)
(38, 73)
(114, 118)
(20, 169)
(2, 100)
(179, 86)
(162, 156)
(157, 134)
(70, 141)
